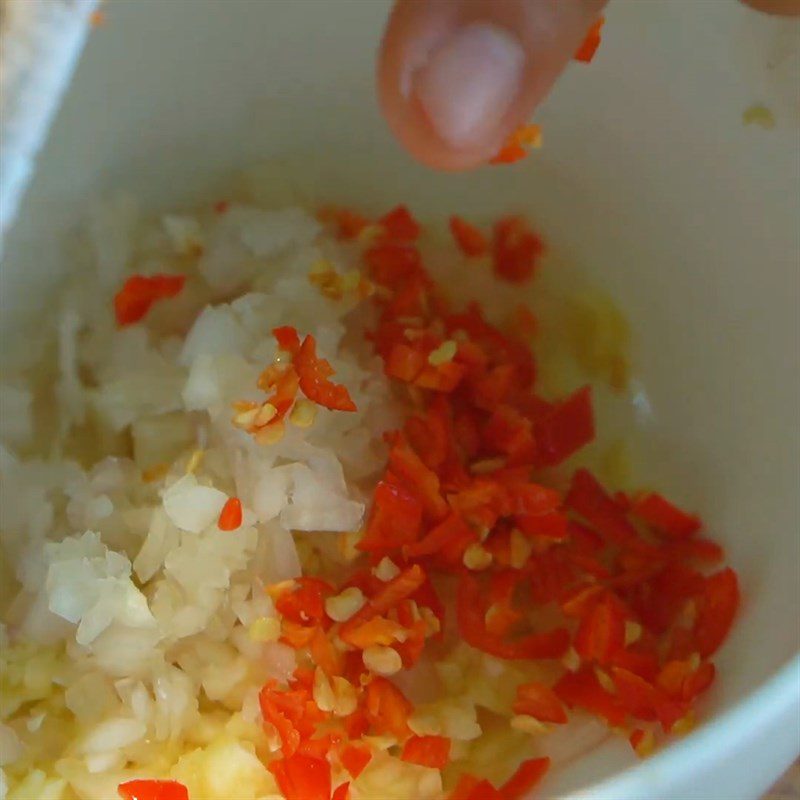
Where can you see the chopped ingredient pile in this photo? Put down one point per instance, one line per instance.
(494, 597)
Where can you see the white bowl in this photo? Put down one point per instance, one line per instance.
(648, 177)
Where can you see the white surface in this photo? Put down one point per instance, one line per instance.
(40, 42)
(647, 177)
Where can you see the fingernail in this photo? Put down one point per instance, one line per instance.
(469, 82)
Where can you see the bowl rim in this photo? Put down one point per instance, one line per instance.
(749, 719)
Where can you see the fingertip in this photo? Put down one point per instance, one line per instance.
(412, 36)
(456, 77)
(783, 8)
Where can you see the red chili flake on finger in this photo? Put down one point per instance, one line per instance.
(427, 751)
(230, 518)
(139, 292)
(152, 790)
(519, 144)
(591, 43)
(470, 239)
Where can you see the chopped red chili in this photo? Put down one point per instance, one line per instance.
(516, 250)
(665, 517)
(467, 502)
(470, 240)
(400, 225)
(591, 43)
(527, 776)
(139, 292)
(302, 777)
(355, 759)
(427, 751)
(152, 790)
(539, 701)
(230, 518)
(314, 374)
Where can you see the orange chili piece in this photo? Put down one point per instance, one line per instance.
(139, 292)
(427, 751)
(288, 339)
(399, 224)
(717, 607)
(348, 223)
(516, 250)
(355, 759)
(592, 41)
(302, 777)
(230, 518)
(518, 144)
(539, 701)
(528, 775)
(342, 792)
(387, 708)
(152, 790)
(666, 518)
(314, 374)
(470, 240)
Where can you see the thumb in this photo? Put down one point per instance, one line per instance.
(456, 77)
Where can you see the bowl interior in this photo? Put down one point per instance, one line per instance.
(648, 179)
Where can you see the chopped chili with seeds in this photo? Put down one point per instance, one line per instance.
(314, 374)
(467, 504)
(518, 144)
